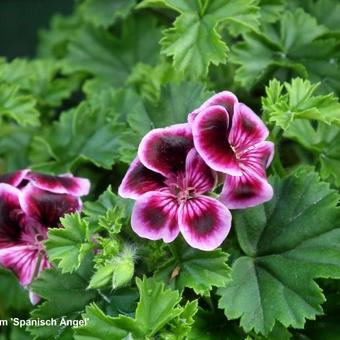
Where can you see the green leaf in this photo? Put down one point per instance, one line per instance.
(98, 53)
(177, 100)
(288, 243)
(324, 141)
(156, 308)
(14, 144)
(105, 13)
(66, 296)
(101, 326)
(12, 295)
(39, 78)
(195, 269)
(193, 41)
(299, 46)
(157, 305)
(327, 12)
(72, 139)
(20, 108)
(105, 202)
(67, 246)
(53, 41)
(299, 102)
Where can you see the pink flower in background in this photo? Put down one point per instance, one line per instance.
(30, 203)
(168, 180)
(230, 138)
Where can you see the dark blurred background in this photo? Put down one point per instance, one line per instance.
(20, 21)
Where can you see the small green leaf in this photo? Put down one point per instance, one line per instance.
(288, 243)
(68, 245)
(299, 102)
(102, 276)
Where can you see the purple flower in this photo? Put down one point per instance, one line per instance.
(230, 138)
(169, 179)
(30, 203)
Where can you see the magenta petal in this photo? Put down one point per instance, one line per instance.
(204, 222)
(247, 128)
(63, 184)
(165, 150)
(226, 99)
(210, 131)
(245, 191)
(198, 175)
(10, 214)
(139, 180)
(23, 260)
(14, 178)
(47, 207)
(154, 216)
(257, 158)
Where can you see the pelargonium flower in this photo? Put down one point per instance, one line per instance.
(30, 203)
(230, 138)
(169, 180)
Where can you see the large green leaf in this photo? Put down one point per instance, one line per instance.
(157, 307)
(193, 41)
(39, 78)
(104, 13)
(323, 141)
(287, 244)
(87, 133)
(299, 45)
(99, 53)
(195, 269)
(66, 296)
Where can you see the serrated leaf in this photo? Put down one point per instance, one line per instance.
(157, 305)
(21, 108)
(66, 296)
(327, 12)
(299, 102)
(105, 202)
(195, 269)
(104, 13)
(39, 78)
(193, 41)
(101, 326)
(299, 46)
(288, 243)
(72, 138)
(156, 308)
(98, 53)
(68, 245)
(323, 141)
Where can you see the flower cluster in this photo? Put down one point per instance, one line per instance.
(30, 203)
(178, 167)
